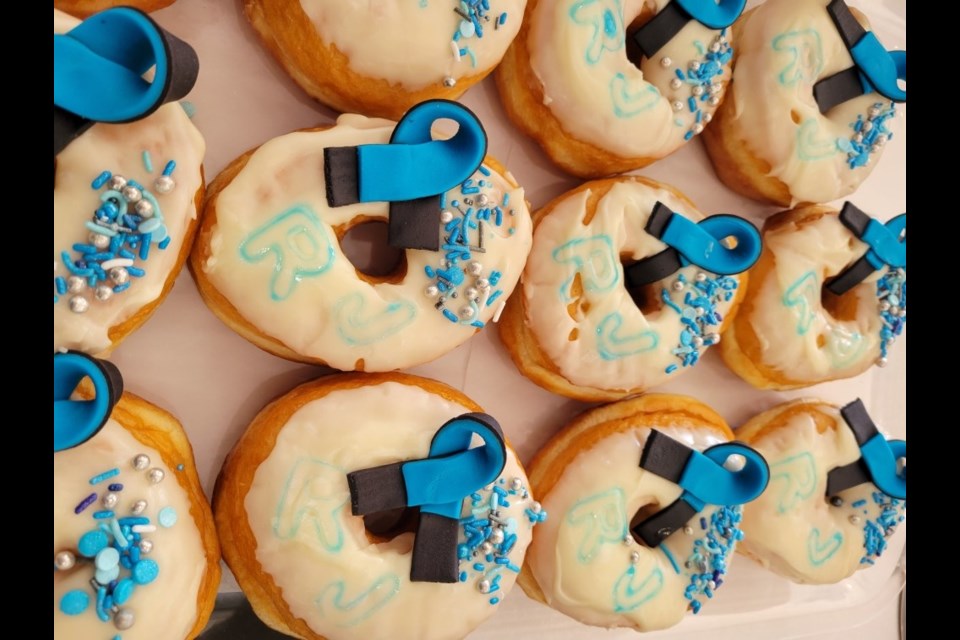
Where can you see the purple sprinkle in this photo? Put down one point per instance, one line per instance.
(89, 500)
(115, 487)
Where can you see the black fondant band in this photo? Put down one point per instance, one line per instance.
(652, 269)
(377, 489)
(435, 550)
(856, 416)
(415, 224)
(341, 175)
(663, 523)
(848, 27)
(847, 476)
(836, 89)
(664, 456)
(660, 29)
(856, 221)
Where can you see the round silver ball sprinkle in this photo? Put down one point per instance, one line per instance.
(144, 208)
(707, 117)
(688, 530)
(712, 338)
(109, 500)
(141, 461)
(697, 128)
(715, 88)
(894, 310)
(471, 293)
(697, 341)
(483, 586)
(715, 47)
(516, 484)
(676, 83)
(884, 306)
(64, 560)
(119, 275)
(155, 475)
(634, 557)
(486, 548)
(103, 293)
(474, 268)
(836, 501)
(467, 312)
(79, 304)
(116, 183)
(879, 142)
(164, 184)
(882, 361)
(496, 536)
(483, 284)
(854, 519)
(431, 291)
(866, 126)
(123, 619)
(695, 65)
(99, 240)
(858, 137)
(536, 507)
(146, 546)
(139, 507)
(482, 200)
(677, 105)
(698, 90)
(131, 194)
(677, 285)
(700, 277)
(446, 216)
(665, 62)
(714, 101)
(76, 284)
(449, 82)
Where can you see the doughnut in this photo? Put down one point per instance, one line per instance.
(329, 476)
(85, 8)
(382, 58)
(125, 195)
(826, 300)
(638, 545)
(268, 259)
(571, 80)
(812, 103)
(135, 550)
(591, 328)
(837, 491)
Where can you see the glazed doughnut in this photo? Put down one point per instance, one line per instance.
(837, 491)
(788, 133)
(570, 80)
(135, 550)
(584, 561)
(84, 8)
(380, 59)
(332, 448)
(125, 202)
(577, 329)
(268, 260)
(816, 308)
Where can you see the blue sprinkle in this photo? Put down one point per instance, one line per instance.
(147, 161)
(135, 272)
(100, 180)
(496, 294)
(167, 517)
(164, 243)
(168, 170)
(104, 476)
(494, 600)
(102, 515)
(449, 315)
(145, 571)
(61, 285)
(484, 170)
(101, 596)
(132, 521)
(74, 602)
(121, 287)
(692, 103)
(463, 576)
(123, 590)
(478, 566)
(671, 368)
(858, 503)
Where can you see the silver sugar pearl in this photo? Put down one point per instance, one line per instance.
(701, 311)
(901, 466)
(139, 507)
(858, 138)
(836, 501)
(712, 338)
(483, 586)
(496, 536)
(146, 546)
(144, 208)
(676, 83)
(714, 101)
(700, 277)
(131, 194)
(486, 548)
(76, 284)
(873, 112)
(866, 126)
(103, 293)
(715, 88)
(141, 461)
(711, 584)
(482, 200)
(666, 62)
(164, 184)
(119, 275)
(894, 310)
(854, 519)
(155, 475)
(627, 540)
(471, 293)
(99, 240)
(688, 530)
(116, 183)
(467, 312)
(474, 268)
(536, 507)
(879, 142)
(707, 117)
(449, 82)
(446, 216)
(694, 65)
(79, 304)
(698, 90)
(881, 361)
(677, 285)
(697, 341)
(677, 105)
(64, 560)
(123, 619)
(715, 47)
(634, 557)
(109, 500)
(483, 284)
(697, 128)
(431, 291)
(884, 305)
(516, 484)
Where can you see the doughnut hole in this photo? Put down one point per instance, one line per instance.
(387, 525)
(633, 51)
(647, 298)
(642, 514)
(364, 243)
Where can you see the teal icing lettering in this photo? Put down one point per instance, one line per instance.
(602, 518)
(300, 246)
(801, 296)
(594, 259)
(843, 346)
(315, 492)
(806, 56)
(605, 17)
(627, 595)
(631, 97)
(612, 346)
(358, 327)
(819, 552)
(332, 605)
(812, 147)
(797, 478)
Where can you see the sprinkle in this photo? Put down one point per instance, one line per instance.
(74, 602)
(147, 161)
(143, 528)
(118, 536)
(104, 476)
(103, 515)
(164, 243)
(180, 467)
(116, 262)
(100, 180)
(167, 517)
(494, 600)
(859, 503)
(168, 169)
(115, 487)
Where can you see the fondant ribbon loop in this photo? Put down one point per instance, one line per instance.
(696, 243)
(76, 421)
(664, 26)
(412, 172)
(438, 485)
(887, 247)
(703, 478)
(875, 69)
(98, 69)
(879, 458)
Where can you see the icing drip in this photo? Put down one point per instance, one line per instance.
(892, 294)
(869, 135)
(708, 561)
(698, 314)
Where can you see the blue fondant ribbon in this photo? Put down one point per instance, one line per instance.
(412, 172)
(875, 69)
(702, 477)
(878, 460)
(666, 24)
(76, 421)
(98, 69)
(887, 247)
(437, 485)
(695, 243)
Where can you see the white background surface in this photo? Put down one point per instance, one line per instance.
(186, 361)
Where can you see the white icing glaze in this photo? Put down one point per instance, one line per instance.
(372, 35)
(167, 607)
(799, 337)
(298, 508)
(167, 134)
(606, 353)
(784, 47)
(579, 555)
(792, 528)
(601, 97)
(334, 315)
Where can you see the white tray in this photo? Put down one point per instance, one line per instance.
(187, 361)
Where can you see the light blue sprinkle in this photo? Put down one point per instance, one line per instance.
(147, 161)
(145, 571)
(74, 602)
(167, 517)
(103, 515)
(107, 559)
(106, 475)
(100, 180)
(106, 576)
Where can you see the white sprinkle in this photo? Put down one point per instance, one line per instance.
(456, 50)
(116, 262)
(143, 528)
(496, 316)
